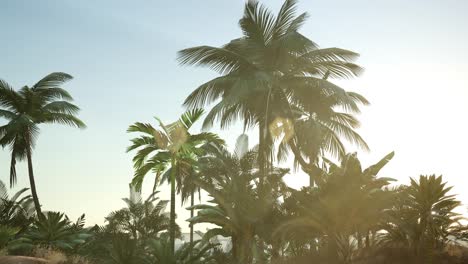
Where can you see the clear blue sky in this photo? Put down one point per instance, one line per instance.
(122, 55)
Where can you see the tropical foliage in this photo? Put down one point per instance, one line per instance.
(43, 103)
(275, 78)
(172, 150)
(422, 220)
(57, 231)
(197, 252)
(276, 81)
(240, 207)
(141, 219)
(16, 211)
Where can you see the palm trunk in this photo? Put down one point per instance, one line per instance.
(359, 239)
(235, 247)
(264, 165)
(263, 149)
(332, 248)
(275, 251)
(173, 223)
(245, 248)
(192, 203)
(261, 247)
(261, 153)
(32, 183)
(367, 240)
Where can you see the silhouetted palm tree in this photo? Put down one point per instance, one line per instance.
(43, 103)
(423, 216)
(317, 131)
(345, 204)
(267, 71)
(240, 207)
(170, 148)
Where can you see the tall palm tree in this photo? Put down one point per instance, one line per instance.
(185, 185)
(170, 148)
(268, 72)
(44, 103)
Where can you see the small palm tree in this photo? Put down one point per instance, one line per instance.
(7, 234)
(142, 219)
(43, 103)
(15, 211)
(423, 217)
(346, 203)
(125, 250)
(170, 148)
(197, 252)
(56, 230)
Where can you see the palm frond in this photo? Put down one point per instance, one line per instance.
(219, 59)
(209, 91)
(51, 94)
(346, 119)
(374, 169)
(9, 115)
(52, 80)
(63, 118)
(9, 98)
(284, 18)
(297, 23)
(141, 142)
(258, 23)
(141, 128)
(190, 117)
(348, 133)
(61, 107)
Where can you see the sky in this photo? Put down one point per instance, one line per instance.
(122, 55)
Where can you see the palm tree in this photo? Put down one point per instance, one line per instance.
(197, 252)
(16, 214)
(240, 207)
(170, 148)
(16, 211)
(124, 250)
(347, 203)
(316, 132)
(141, 218)
(55, 230)
(43, 103)
(423, 216)
(186, 186)
(268, 72)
